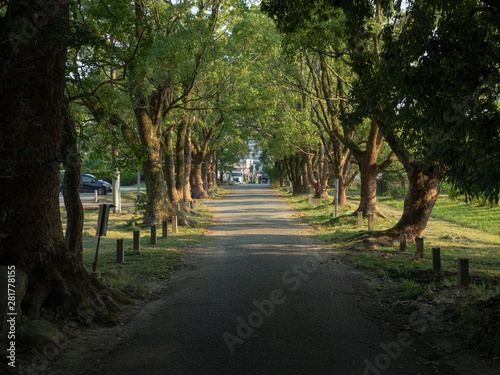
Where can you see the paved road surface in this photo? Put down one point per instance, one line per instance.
(261, 298)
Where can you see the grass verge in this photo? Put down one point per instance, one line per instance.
(152, 262)
(402, 280)
(472, 215)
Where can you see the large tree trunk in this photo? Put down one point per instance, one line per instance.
(342, 197)
(180, 148)
(157, 206)
(369, 169)
(31, 127)
(295, 165)
(199, 191)
(170, 168)
(319, 176)
(424, 181)
(210, 173)
(71, 185)
(149, 111)
(368, 172)
(340, 158)
(423, 193)
(186, 188)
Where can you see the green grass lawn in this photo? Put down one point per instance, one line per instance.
(383, 259)
(472, 215)
(153, 261)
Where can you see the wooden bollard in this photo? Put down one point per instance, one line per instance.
(137, 240)
(360, 220)
(371, 222)
(120, 251)
(95, 196)
(195, 203)
(178, 206)
(154, 238)
(463, 272)
(419, 247)
(402, 243)
(164, 232)
(174, 224)
(436, 260)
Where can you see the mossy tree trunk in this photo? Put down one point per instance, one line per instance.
(34, 128)
(424, 184)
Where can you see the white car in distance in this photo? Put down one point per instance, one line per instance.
(237, 177)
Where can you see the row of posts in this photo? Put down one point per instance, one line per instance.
(120, 249)
(317, 202)
(463, 263)
(371, 221)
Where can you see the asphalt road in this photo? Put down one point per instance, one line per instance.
(261, 297)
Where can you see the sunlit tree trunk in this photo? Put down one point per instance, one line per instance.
(186, 187)
(424, 184)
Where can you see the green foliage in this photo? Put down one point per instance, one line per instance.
(273, 173)
(471, 214)
(153, 261)
(140, 204)
(440, 84)
(127, 179)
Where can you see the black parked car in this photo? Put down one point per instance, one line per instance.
(89, 183)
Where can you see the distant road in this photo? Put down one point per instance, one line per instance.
(89, 197)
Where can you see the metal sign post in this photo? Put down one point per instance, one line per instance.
(102, 227)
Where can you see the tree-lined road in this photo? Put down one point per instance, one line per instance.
(260, 297)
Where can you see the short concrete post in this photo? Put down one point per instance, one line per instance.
(436, 260)
(327, 211)
(360, 220)
(120, 251)
(164, 232)
(154, 239)
(310, 201)
(174, 224)
(137, 240)
(318, 202)
(419, 247)
(371, 221)
(463, 272)
(402, 243)
(95, 196)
